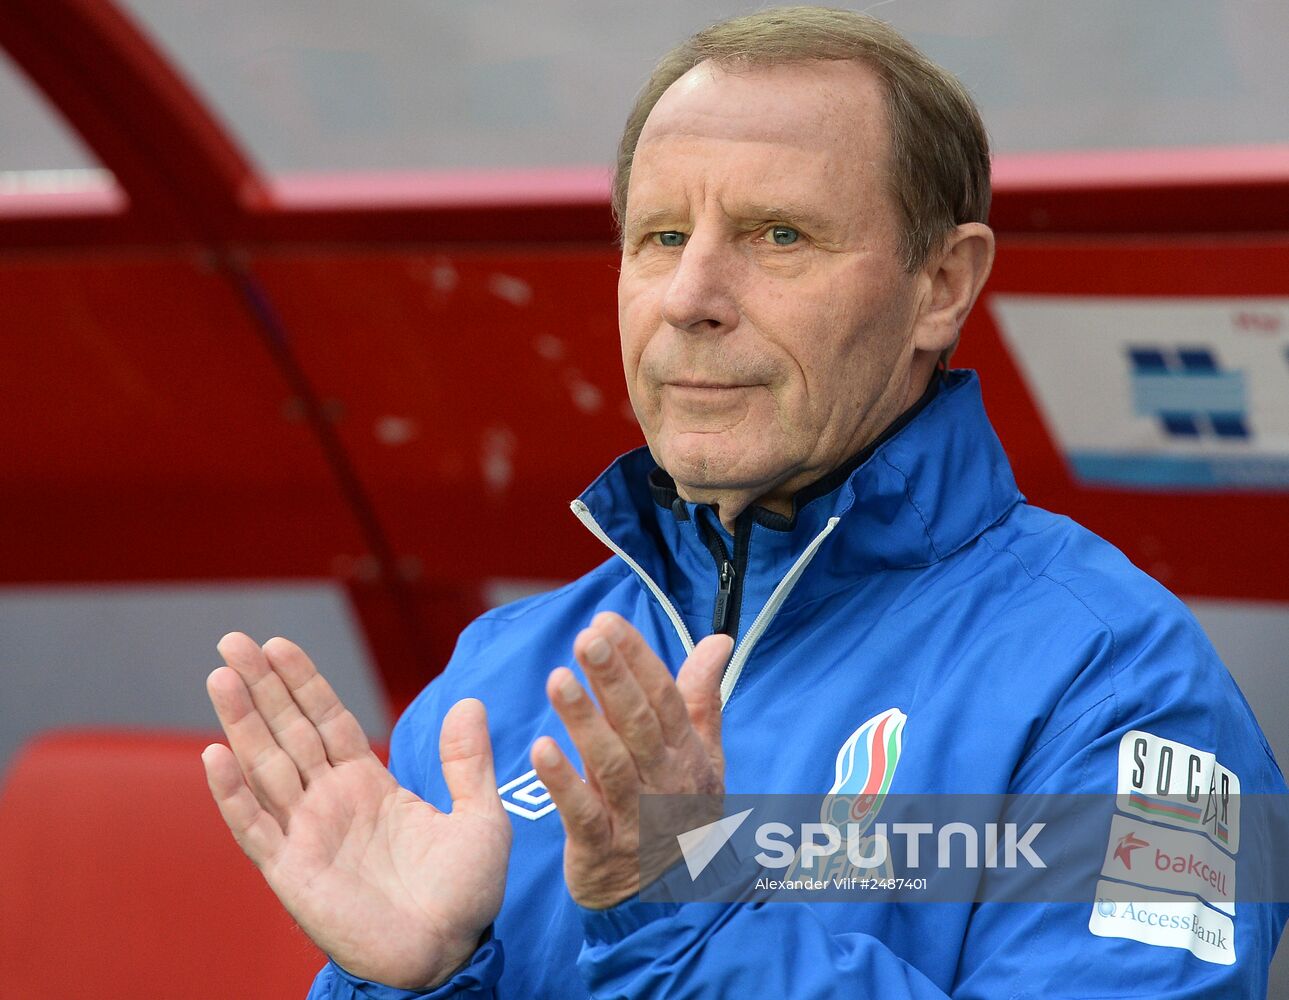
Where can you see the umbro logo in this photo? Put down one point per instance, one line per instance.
(526, 796)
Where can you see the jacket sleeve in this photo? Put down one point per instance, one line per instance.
(477, 981)
(478, 978)
(1165, 680)
(706, 950)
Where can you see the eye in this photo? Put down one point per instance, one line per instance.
(784, 235)
(671, 238)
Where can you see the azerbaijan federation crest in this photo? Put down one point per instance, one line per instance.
(866, 766)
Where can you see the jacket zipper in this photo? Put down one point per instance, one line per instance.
(725, 610)
(762, 621)
(584, 515)
(724, 584)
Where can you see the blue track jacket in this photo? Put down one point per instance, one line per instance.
(1021, 651)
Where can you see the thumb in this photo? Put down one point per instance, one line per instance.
(699, 683)
(466, 754)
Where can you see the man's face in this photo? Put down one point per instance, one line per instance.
(766, 319)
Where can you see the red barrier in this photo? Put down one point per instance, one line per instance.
(120, 880)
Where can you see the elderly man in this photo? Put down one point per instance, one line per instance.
(802, 199)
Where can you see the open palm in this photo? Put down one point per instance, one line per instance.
(393, 889)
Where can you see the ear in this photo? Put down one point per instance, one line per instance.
(952, 279)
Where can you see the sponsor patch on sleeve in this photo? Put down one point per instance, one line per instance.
(1148, 854)
(1164, 919)
(1169, 782)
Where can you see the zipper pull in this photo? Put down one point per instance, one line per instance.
(726, 584)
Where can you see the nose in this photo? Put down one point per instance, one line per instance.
(700, 297)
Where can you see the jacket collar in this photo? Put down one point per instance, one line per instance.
(927, 488)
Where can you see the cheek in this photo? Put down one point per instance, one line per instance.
(815, 337)
(841, 345)
(631, 329)
(637, 328)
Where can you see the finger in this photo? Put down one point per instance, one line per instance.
(699, 684)
(651, 674)
(341, 734)
(610, 768)
(271, 774)
(466, 754)
(254, 829)
(621, 698)
(581, 810)
(293, 732)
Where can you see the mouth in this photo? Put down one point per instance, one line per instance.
(694, 384)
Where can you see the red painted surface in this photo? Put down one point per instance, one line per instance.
(100, 198)
(148, 435)
(480, 393)
(120, 879)
(476, 394)
(363, 191)
(1153, 168)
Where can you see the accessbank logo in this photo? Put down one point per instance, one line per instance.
(1161, 918)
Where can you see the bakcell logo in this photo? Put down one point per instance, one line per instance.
(1127, 844)
(1192, 867)
(1170, 859)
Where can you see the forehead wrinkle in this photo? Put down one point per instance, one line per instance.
(726, 123)
(779, 196)
(785, 152)
(666, 161)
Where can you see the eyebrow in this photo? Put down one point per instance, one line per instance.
(648, 220)
(787, 212)
(746, 214)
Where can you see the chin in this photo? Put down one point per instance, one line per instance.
(714, 465)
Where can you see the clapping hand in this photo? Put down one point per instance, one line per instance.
(393, 889)
(651, 734)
